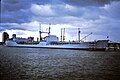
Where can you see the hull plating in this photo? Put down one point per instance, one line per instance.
(79, 46)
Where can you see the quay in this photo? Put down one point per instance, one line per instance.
(113, 46)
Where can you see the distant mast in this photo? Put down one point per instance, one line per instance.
(40, 32)
(61, 35)
(49, 29)
(78, 34)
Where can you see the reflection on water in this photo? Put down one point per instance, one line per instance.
(58, 64)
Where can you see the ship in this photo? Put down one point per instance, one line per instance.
(52, 42)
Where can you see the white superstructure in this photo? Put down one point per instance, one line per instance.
(51, 38)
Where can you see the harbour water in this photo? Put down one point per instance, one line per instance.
(58, 64)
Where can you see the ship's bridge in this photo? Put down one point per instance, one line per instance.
(51, 38)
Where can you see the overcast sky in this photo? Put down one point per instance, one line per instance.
(101, 17)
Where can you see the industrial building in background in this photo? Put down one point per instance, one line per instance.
(5, 37)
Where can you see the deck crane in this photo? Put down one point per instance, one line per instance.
(40, 31)
(85, 36)
(63, 33)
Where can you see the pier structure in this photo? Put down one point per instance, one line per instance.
(113, 46)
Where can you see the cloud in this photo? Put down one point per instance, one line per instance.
(85, 3)
(98, 16)
(31, 26)
(112, 10)
(42, 10)
(19, 16)
(15, 5)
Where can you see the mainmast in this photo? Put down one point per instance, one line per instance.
(78, 34)
(63, 34)
(40, 32)
(49, 29)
